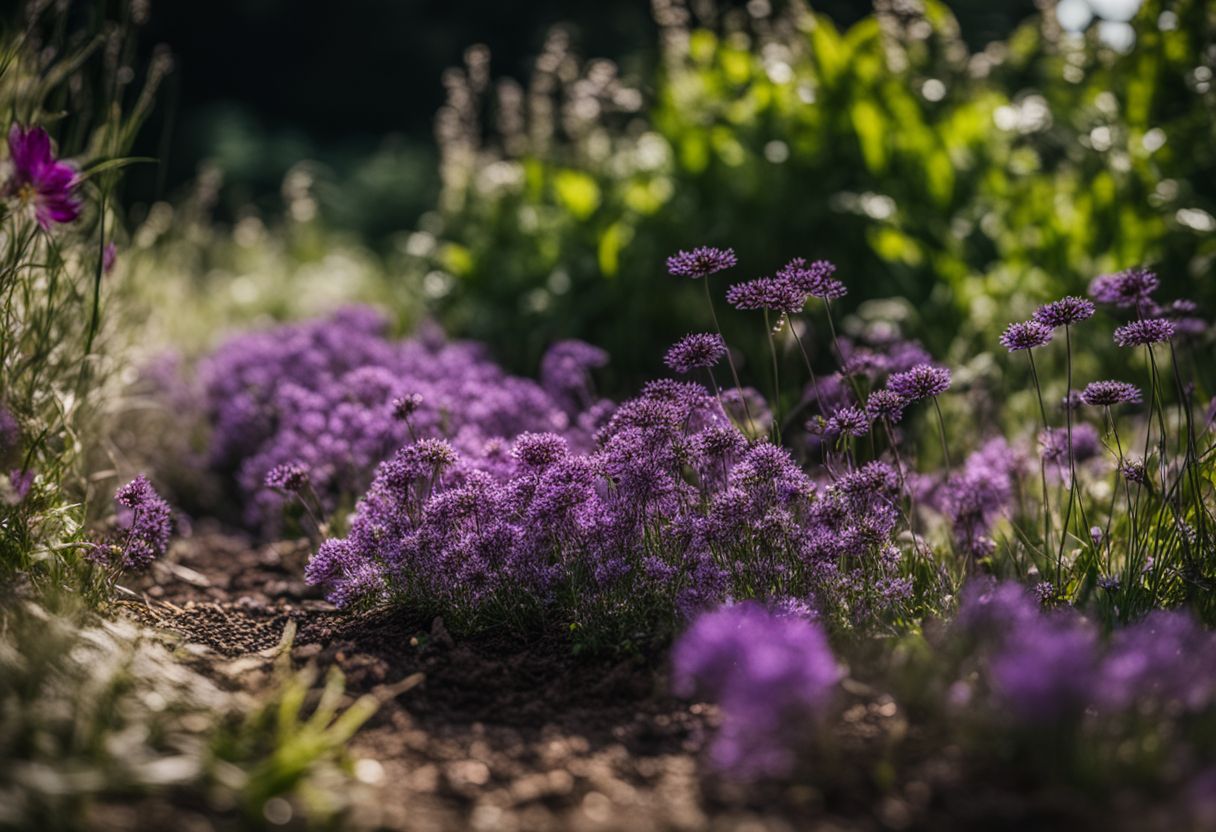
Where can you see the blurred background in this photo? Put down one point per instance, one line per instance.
(519, 172)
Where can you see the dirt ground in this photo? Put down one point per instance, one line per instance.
(493, 734)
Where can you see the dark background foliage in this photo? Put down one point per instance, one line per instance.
(260, 84)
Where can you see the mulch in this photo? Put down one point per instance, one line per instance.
(496, 734)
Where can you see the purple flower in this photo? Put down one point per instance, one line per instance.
(1144, 332)
(700, 262)
(849, 421)
(1046, 669)
(815, 279)
(1108, 393)
(39, 181)
(109, 256)
(885, 404)
(1133, 287)
(1025, 335)
(144, 527)
(1133, 470)
(290, 477)
(771, 293)
(539, 450)
(772, 674)
(923, 381)
(1064, 312)
(405, 406)
(699, 350)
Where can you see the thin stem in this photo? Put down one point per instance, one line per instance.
(1034, 373)
(772, 348)
(734, 373)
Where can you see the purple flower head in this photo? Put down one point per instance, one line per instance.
(144, 526)
(769, 672)
(700, 262)
(1108, 393)
(565, 371)
(1064, 312)
(539, 450)
(849, 421)
(38, 181)
(885, 404)
(699, 350)
(771, 293)
(289, 476)
(1046, 669)
(1133, 470)
(1025, 335)
(815, 279)
(405, 406)
(1133, 287)
(1144, 332)
(924, 381)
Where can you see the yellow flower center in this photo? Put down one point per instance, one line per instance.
(26, 193)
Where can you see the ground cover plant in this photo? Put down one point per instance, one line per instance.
(352, 569)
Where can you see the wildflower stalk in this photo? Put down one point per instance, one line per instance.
(1034, 373)
(772, 348)
(1074, 488)
(730, 361)
(1192, 456)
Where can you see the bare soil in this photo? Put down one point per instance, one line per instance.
(493, 733)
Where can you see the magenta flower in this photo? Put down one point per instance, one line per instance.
(38, 180)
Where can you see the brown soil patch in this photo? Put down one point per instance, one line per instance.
(494, 734)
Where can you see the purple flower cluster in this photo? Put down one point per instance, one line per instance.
(814, 280)
(1144, 332)
(1130, 288)
(700, 350)
(1025, 335)
(774, 294)
(700, 262)
(145, 524)
(1110, 393)
(924, 381)
(1046, 667)
(671, 504)
(1064, 312)
(333, 397)
(977, 496)
(772, 673)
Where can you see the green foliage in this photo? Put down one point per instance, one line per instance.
(97, 714)
(968, 183)
(52, 362)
